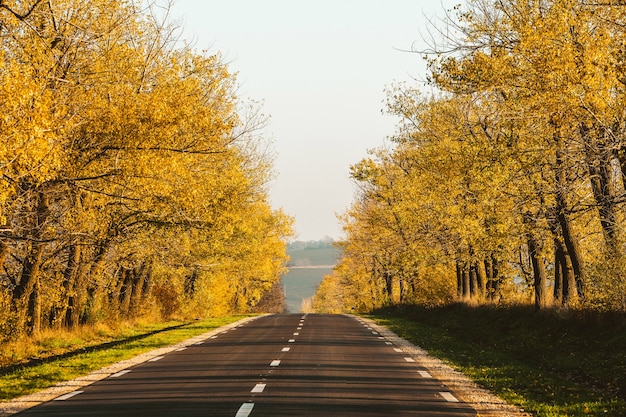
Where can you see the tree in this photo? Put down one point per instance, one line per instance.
(128, 169)
(516, 157)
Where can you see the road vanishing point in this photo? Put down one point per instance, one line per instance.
(276, 365)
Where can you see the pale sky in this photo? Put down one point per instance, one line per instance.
(320, 68)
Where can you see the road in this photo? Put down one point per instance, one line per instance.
(278, 365)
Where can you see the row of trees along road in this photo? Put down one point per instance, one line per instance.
(508, 182)
(133, 179)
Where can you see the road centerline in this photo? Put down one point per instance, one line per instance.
(258, 388)
(245, 410)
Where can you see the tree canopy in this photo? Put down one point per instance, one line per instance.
(508, 182)
(132, 180)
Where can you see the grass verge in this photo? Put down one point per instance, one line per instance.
(549, 363)
(77, 360)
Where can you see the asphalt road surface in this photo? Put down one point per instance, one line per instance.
(279, 365)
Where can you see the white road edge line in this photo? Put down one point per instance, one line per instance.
(397, 350)
(409, 359)
(424, 374)
(449, 397)
(68, 396)
(245, 410)
(120, 373)
(158, 358)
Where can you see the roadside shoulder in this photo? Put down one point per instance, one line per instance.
(483, 401)
(28, 401)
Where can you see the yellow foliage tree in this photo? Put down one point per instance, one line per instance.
(517, 165)
(127, 168)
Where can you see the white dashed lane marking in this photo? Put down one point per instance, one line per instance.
(245, 410)
(409, 359)
(397, 350)
(291, 340)
(424, 374)
(275, 362)
(258, 388)
(286, 349)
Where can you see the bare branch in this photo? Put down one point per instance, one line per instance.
(23, 16)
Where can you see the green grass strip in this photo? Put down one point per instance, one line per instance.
(550, 375)
(28, 379)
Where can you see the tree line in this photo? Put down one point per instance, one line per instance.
(133, 179)
(507, 183)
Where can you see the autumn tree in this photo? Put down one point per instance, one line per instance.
(129, 171)
(513, 168)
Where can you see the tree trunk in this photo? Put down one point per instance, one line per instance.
(26, 293)
(473, 274)
(567, 234)
(599, 158)
(459, 279)
(60, 312)
(190, 283)
(558, 271)
(4, 251)
(126, 291)
(388, 276)
(539, 272)
(567, 278)
(466, 282)
(573, 253)
(402, 290)
(138, 284)
(480, 279)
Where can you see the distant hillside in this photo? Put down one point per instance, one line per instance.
(313, 257)
(324, 243)
(312, 253)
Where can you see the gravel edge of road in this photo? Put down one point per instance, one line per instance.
(483, 401)
(25, 402)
